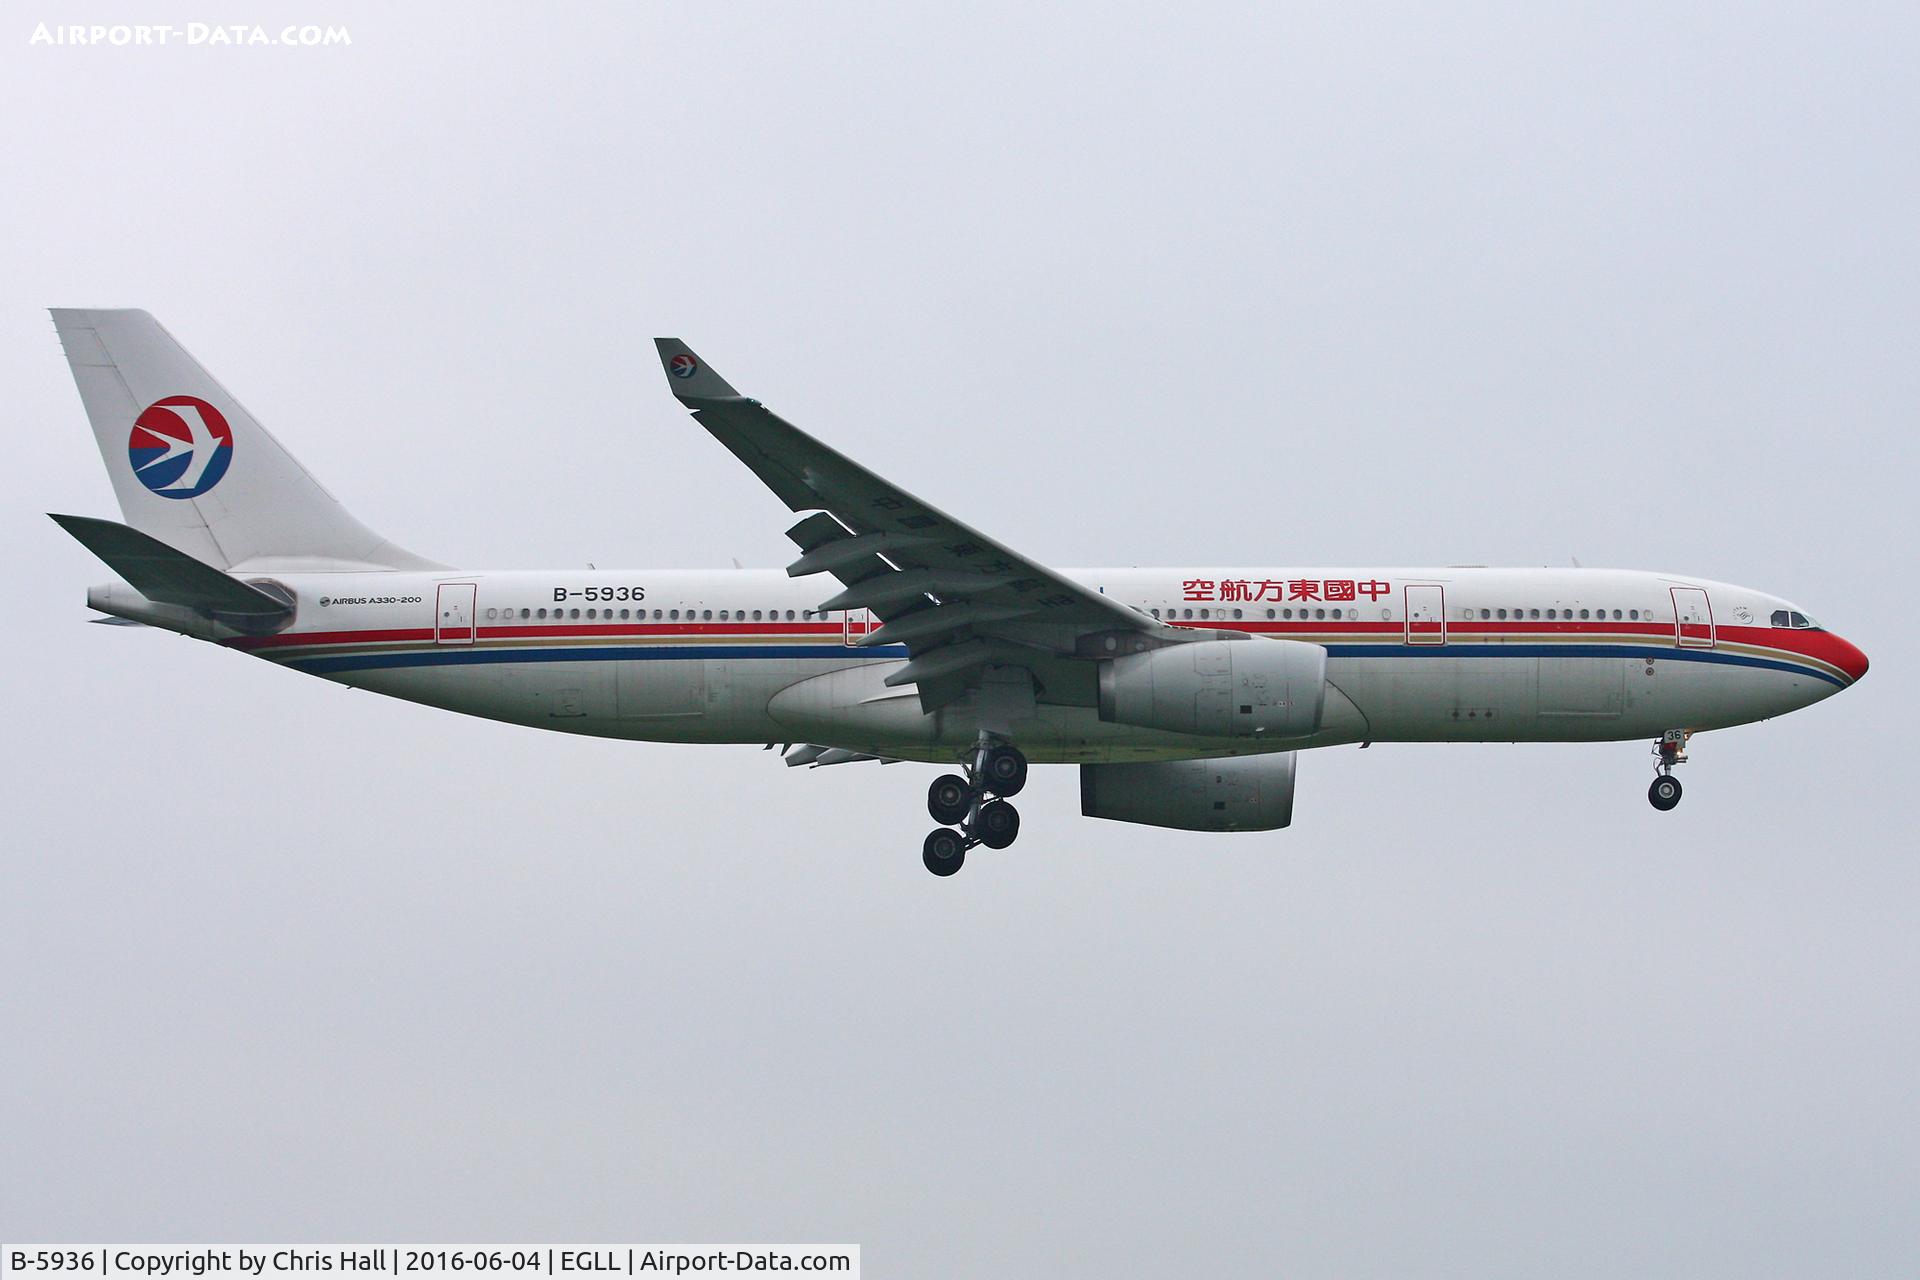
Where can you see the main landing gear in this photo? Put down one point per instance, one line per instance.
(1664, 794)
(997, 770)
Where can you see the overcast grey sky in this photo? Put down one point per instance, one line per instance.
(1247, 285)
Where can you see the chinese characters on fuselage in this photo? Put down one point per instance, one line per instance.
(1248, 590)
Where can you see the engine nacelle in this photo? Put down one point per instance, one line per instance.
(1219, 688)
(1239, 793)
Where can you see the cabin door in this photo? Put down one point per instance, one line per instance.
(1692, 618)
(453, 613)
(1426, 615)
(854, 625)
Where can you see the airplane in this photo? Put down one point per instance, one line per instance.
(1184, 695)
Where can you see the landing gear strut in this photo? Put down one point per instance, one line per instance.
(994, 769)
(1664, 794)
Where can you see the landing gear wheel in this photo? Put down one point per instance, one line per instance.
(1664, 793)
(945, 852)
(998, 824)
(948, 799)
(1004, 771)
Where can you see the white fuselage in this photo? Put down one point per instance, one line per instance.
(1457, 654)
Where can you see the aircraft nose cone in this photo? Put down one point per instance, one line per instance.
(1849, 659)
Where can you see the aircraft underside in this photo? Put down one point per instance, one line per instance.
(1424, 699)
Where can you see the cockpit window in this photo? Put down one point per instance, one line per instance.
(1794, 619)
(1780, 618)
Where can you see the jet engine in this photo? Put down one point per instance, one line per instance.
(1219, 688)
(1238, 793)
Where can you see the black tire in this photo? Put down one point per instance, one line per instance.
(998, 825)
(1664, 793)
(1005, 771)
(944, 852)
(948, 799)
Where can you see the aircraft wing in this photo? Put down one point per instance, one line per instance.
(958, 600)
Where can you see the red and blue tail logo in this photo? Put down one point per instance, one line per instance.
(684, 365)
(180, 447)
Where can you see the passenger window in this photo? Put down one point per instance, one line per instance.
(675, 615)
(1535, 613)
(543, 613)
(1336, 613)
(1236, 613)
(1189, 613)
(1319, 613)
(526, 613)
(706, 615)
(576, 613)
(1485, 614)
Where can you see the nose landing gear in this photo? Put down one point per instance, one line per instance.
(1664, 794)
(996, 769)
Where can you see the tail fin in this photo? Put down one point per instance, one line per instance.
(193, 468)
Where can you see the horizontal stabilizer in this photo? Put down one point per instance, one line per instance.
(167, 576)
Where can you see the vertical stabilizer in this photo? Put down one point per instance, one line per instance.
(193, 468)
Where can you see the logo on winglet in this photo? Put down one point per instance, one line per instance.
(180, 447)
(683, 365)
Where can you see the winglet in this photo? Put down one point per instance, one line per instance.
(691, 377)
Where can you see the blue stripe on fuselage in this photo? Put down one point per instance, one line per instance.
(1576, 651)
(465, 656)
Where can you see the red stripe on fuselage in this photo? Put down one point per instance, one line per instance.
(1821, 646)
